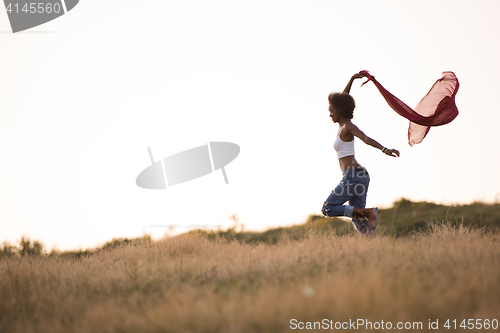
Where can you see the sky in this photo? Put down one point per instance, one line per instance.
(82, 98)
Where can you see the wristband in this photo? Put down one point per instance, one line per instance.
(384, 149)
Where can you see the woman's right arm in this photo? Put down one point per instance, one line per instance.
(354, 130)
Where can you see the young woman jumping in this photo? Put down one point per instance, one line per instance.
(354, 184)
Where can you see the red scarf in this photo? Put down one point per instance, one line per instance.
(435, 109)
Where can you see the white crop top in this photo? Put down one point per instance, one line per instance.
(343, 148)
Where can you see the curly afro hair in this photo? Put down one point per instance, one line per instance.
(343, 103)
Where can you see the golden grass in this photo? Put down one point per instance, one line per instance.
(191, 284)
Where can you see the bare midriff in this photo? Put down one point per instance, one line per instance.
(348, 162)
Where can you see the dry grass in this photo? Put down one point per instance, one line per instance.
(192, 284)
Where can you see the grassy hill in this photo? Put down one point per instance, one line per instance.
(403, 218)
(418, 270)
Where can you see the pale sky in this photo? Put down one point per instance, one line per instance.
(83, 96)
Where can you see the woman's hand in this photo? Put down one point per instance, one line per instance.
(347, 88)
(392, 152)
(358, 76)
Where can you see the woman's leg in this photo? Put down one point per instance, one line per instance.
(352, 188)
(334, 204)
(362, 215)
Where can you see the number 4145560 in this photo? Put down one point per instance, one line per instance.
(473, 324)
(34, 7)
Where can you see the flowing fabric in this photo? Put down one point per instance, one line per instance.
(435, 109)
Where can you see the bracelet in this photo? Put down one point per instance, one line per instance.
(384, 149)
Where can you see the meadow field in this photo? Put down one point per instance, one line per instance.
(209, 282)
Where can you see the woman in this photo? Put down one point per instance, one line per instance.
(354, 184)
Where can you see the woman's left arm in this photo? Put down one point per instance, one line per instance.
(347, 88)
(354, 130)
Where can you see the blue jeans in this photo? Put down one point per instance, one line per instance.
(353, 188)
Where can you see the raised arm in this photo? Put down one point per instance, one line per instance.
(354, 130)
(347, 88)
